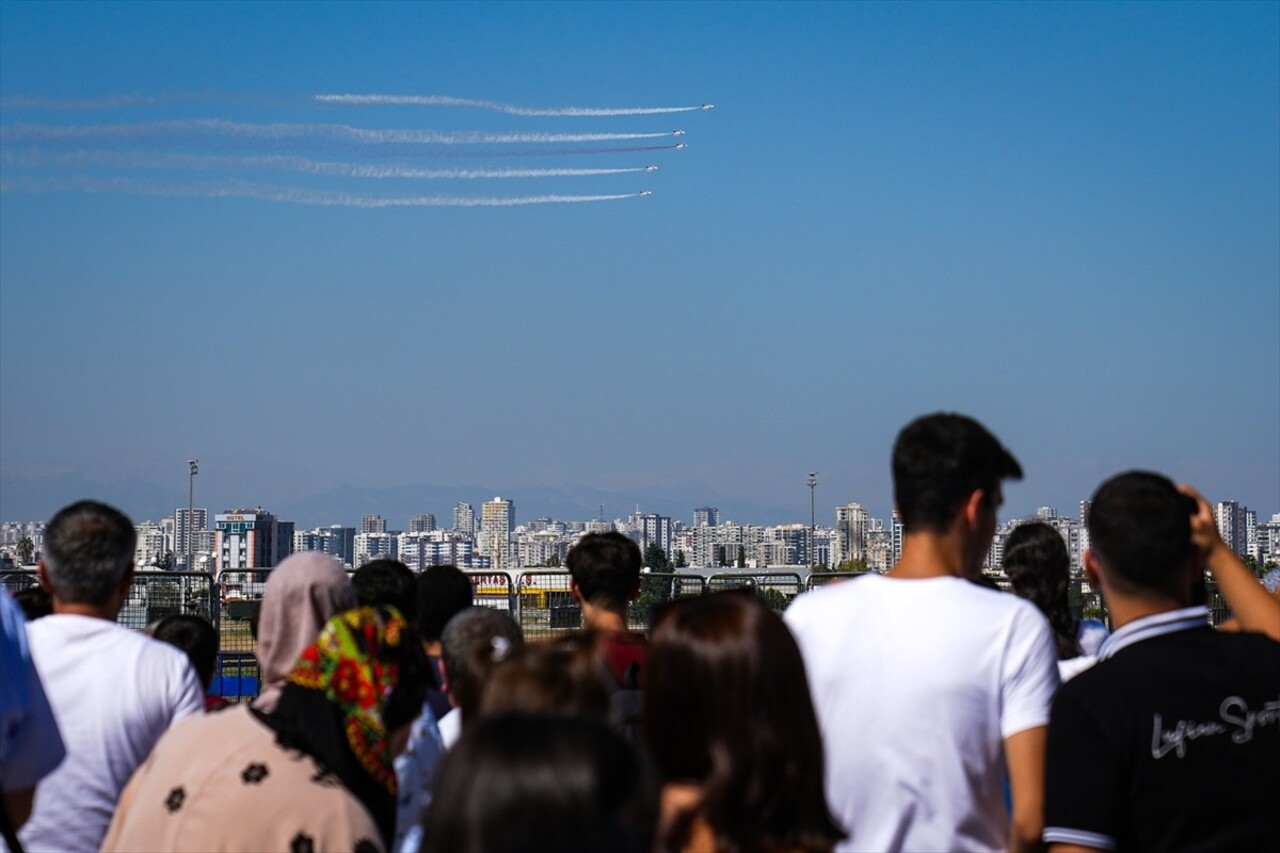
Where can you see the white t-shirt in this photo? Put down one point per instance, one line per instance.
(114, 692)
(916, 684)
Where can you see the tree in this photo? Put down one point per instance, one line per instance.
(656, 559)
(1251, 562)
(553, 562)
(721, 558)
(26, 550)
(165, 560)
(852, 565)
(742, 557)
(681, 562)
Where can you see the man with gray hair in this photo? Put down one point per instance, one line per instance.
(113, 691)
(474, 642)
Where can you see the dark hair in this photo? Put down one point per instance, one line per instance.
(35, 602)
(1140, 526)
(443, 592)
(564, 676)
(387, 582)
(727, 706)
(88, 549)
(516, 782)
(195, 636)
(938, 461)
(606, 568)
(1039, 570)
(473, 643)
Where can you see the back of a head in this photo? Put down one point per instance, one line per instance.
(564, 676)
(304, 592)
(606, 568)
(196, 637)
(1039, 569)
(387, 582)
(518, 782)
(473, 643)
(938, 461)
(1140, 528)
(88, 549)
(443, 592)
(727, 705)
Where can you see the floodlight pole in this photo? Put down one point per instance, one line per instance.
(193, 468)
(812, 480)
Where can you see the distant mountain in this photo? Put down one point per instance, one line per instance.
(32, 499)
(38, 498)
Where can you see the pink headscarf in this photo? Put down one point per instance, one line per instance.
(302, 593)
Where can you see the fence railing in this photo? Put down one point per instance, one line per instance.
(541, 601)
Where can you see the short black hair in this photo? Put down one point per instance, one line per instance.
(938, 461)
(1140, 526)
(88, 549)
(606, 568)
(387, 582)
(195, 636)
(443, 592)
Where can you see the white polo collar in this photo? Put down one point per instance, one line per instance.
(1155, 625)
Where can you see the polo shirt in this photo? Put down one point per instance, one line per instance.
(1171, 742)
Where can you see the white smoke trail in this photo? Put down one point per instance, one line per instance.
(510, 109)
(290, 195)
(278, 131)
(143, 160)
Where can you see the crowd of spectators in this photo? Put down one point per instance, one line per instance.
(918, 710)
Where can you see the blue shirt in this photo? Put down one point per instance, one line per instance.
(30, 746)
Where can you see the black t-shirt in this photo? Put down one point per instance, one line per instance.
(1172, 744)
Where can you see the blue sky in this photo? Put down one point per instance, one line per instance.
(1063, 219)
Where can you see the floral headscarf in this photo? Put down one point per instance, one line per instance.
(359, 661)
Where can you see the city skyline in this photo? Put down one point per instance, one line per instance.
(1061, 219)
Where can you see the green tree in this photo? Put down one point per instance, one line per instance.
(165, 560)
(1252, 563)
(681, 562)
(851, 565)
(553, 562)
(656, 559)
(721, 558)
(772, 599)
(742, 557)
(26, 550)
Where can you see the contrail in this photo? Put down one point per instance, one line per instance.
(510, 109)
(114, 102)
(143, 160)
(142, 130)
(290, 195)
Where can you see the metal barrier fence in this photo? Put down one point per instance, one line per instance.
(541, 601)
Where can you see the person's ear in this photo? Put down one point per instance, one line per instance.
(126, 581)
(577, 593)
(43, 574)
(973, 509)
(1091, 573)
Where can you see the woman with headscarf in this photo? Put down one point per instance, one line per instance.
(302, 593)
(314, 774)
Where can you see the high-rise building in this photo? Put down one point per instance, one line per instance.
(897, 537)
(424, 523)
(247, 539)
(181, 528)
(373, 524)
(851, 533)
(706, 516)
(652, 529)
(1234, 520)
(374, 546)
(497, 520)
(464, 518)
(152, 544)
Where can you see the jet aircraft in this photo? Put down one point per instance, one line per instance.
(708, 106)
(646, 192)
(681, 145)
(651, 168)
(677, 133)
